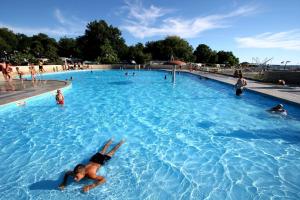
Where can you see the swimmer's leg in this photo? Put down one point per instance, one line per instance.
(113, 151)
(103, 151)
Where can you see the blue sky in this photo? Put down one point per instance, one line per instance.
(252, 30)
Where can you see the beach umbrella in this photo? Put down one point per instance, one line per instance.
(176, 62)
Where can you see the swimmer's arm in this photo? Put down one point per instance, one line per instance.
(64, 183)
(98, 181)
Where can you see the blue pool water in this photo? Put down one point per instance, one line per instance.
(192, 140)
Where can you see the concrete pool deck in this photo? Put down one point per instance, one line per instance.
(19, 91)
(285, 93)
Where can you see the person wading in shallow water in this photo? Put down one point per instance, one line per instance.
(59, 98)
(241, 83)
(90, 170)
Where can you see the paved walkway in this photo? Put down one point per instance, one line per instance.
(287, 93)
(18, 90)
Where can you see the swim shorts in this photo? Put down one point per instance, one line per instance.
(238, 92)
(100, 158)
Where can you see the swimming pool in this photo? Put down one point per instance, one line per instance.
(191, 140)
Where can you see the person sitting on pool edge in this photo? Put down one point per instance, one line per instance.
(278, 109)
(90, 170)
(59, 98)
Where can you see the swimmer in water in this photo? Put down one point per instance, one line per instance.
(59, 98)
(89, 170)
(278, 109)
(241, 83)
(165, 77)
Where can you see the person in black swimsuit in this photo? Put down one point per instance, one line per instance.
(90, 170)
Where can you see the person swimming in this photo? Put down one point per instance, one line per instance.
(278, 109)
(59, 98)
(165, 77)
(96, 161)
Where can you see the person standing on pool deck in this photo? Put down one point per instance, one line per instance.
(32, 72)
(59, 98)
(41, 66)
(90, 170)
(20, 73)
(240, 84)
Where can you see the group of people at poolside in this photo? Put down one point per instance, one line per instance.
(7, 70)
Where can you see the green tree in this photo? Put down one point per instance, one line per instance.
(203, 54)
(108, 55)
(227, 57)
(67, 47)
(170, 46)
(44, 46)
(24, 43)
(213, 57)
(8, 41)
(22, 58)
(138, 54)
(96, 34)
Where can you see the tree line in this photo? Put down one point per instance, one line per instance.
(104, 43)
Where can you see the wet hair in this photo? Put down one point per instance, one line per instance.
(78, 168)
(279, 106)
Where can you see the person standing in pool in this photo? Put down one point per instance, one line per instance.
(59, 98)
(240, 84)
(90, 170)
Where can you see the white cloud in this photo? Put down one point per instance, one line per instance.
(65, 27)
(143, 15)
(281, 40)
(153, 21)
(31, 31)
